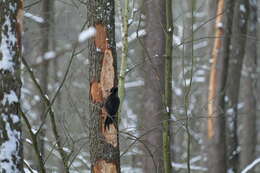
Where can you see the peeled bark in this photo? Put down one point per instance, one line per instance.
(218, 77)
(11, 151)
(103, 143)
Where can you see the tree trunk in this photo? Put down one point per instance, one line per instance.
(218, 76)
(103, 143)
(154, 45)
(124, 55)
(248, 87)
(45, 31)
(11, 151)
(168, 88)
(237, 53)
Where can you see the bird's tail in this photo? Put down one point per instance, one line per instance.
(109, 120)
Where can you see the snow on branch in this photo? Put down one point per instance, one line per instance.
(84, 35)
(251, 165)
(36, 19)
(132, 37)
(184, 166)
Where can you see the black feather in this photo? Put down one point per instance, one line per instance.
(111, 106)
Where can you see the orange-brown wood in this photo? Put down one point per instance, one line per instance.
(95, 92)
(101, 37)
(111, 133)
(102, 166)
(19, 23)
(213, 72)
(107, 73)
(107, 82)
(100, 91)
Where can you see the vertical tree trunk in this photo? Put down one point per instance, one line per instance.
(237, 53)
(103, 143)
(168, 88)
(248, 86)
(218, 76)
(154, 45)
(124, 55)
(45, 31)
(11, 153)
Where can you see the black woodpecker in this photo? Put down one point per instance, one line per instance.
(111, 106)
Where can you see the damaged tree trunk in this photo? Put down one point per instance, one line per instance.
(216, 148)
(103, 143)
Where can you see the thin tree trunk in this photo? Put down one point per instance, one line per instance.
(218, 76)
(154, 45)
(124, 55)
(103, 143)
(248, 85)
(168, 88)
(45, 31)
(237, 53)
(11, 147)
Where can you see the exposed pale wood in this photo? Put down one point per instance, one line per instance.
(101, 37)
(104, 167)
(95, 92)
(107, 73)
(213, 73)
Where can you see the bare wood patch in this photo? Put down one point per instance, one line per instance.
(101, 37)
(107, 73)
(95, 92)
(19, 23)
(111, 133)
(102, 166)
(106, 83)
(213, 73)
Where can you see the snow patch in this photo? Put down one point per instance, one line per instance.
(9, 148)
(15, 118)
(242, 8)
(84, 35)
(220, 25)
(177, 91)
(176, 39)
(49, 55)
(8, 42)
(10, 98)
(184, 166)
(35, 18)
(132, 37)
(28, 141)
(251, 165)
(132, 84)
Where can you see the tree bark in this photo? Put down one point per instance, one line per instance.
(168, 88)
(154, 45)
(218, 76)
(124, 56)
(103, 143)
(11, 151)
(237, 52)
(248, 87)
(45, 31)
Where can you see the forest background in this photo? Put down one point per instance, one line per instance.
(188, 78)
